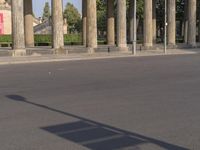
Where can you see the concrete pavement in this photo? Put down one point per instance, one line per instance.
(37, 57)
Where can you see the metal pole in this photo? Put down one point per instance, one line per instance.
(165, 38)
(135, 28)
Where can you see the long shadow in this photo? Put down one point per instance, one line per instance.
(95, 135)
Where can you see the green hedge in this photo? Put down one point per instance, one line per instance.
(69, 38)
(72, 38)
(42, 38)
(45, 40)
(5, 38)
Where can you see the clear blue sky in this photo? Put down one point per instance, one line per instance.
(38, 5)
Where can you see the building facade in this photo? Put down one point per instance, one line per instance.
(5, 18)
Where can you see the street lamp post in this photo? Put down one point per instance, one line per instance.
(135, 29)
(165, 38)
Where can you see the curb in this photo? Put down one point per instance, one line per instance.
(45, 59)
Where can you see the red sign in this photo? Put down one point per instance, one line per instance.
(1, 24)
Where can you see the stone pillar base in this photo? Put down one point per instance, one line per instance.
(123, 49)
(91, 50)
(111, 44)
(171, 46)
(60, 51)
(148, 47)
(19, 52)
(192, 45)
(30, 45)
(148, 44)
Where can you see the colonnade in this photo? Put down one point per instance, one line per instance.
(22, 24)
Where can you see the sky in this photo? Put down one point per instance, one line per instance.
(38, 5)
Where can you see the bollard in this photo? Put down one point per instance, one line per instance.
(108, 49)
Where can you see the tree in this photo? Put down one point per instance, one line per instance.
(73, 18)
(46, 11)
(101, 15)
(140, 8)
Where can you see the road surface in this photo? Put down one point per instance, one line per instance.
(144, 103)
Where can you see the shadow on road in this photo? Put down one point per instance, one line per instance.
(95, 135)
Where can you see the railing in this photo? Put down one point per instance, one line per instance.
(5, 44)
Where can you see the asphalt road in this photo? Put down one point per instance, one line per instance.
(144, 103)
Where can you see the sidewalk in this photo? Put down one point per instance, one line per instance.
(85, 56)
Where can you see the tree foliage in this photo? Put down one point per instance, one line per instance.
(101, 15)
(73, 17)
(46, 11)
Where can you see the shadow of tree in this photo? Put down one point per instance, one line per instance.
(95, 135)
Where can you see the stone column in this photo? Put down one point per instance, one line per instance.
(192, 22)
(18, 28)
(154, 21)
(110, 23)
(28, 23)
(148, 38)
(199, 31)
(198, 5)
(131, 25)
(171, 30)
(57, 26)
(186, 21)
(121, 25)
(84, 21)
(91, 25)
